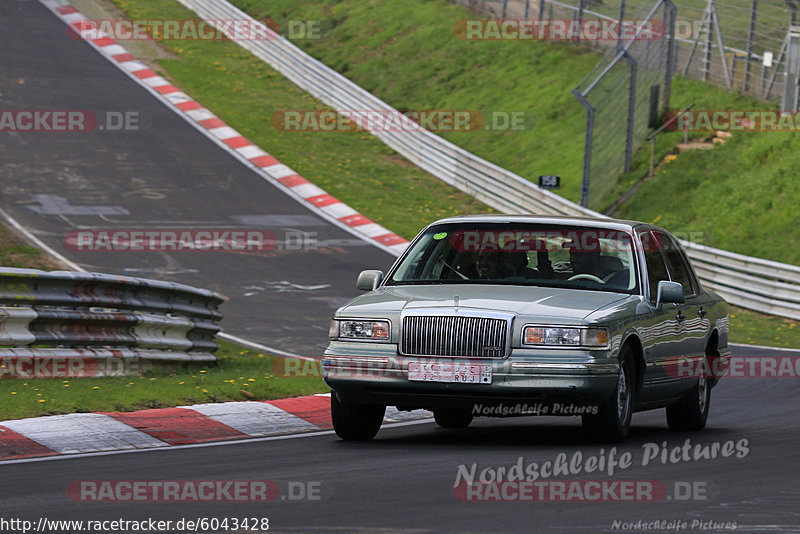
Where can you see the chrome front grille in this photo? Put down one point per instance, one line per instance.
(464, 336)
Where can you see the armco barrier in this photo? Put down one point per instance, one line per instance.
(75, 324)
(732, 275)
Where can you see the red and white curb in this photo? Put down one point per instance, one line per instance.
(268, 167)
(147, 429)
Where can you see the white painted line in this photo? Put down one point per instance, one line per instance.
(39, 243)
(253, 418)
(263, 348)
(82, 432)
(780, 349)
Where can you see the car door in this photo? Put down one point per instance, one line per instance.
(694, 323)
(663, 336)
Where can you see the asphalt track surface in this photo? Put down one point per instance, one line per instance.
(165, 176)
(169, 175)
(402, 482)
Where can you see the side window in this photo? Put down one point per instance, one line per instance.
(678, 269)
(656, 269)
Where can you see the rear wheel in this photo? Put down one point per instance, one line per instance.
(356, 422)
(452, 417)
(613, 421)
(692, 412)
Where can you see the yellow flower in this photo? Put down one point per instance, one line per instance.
(66, 385)
(205, 390)
(96, 387)
(41, 400)
(13, 392)
(251, 379)
(152, 379)
(203, 371)
(180, 383)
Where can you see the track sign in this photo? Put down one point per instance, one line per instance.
(550, 182)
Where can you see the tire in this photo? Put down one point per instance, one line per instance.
(356, 422)
(612, 423)
(452, 417)
(691, 413)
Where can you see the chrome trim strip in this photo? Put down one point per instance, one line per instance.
(537, 366)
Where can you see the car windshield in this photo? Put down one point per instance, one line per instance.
(553, 255)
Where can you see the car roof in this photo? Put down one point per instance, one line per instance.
(592, 222)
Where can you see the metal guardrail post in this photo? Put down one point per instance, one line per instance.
(541, 9)
(587, 152)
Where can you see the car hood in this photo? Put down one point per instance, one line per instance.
(573, 304)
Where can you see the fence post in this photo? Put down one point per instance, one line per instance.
(621, 19)
(669, 6)
(541, 9)
(750, 38)
(791, 92)
(505, 4)
(709, 40)
(527, 7)
(631, 110)
(587, 151)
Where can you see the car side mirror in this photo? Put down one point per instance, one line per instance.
(369, 280)
(669, 292)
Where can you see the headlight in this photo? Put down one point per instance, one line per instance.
(553, 336)
(371, 330)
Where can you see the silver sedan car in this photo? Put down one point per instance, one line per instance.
(500, 316)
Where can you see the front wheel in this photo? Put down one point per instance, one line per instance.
(613, 421)
(356, 422)
(452, 417)
(692, 412)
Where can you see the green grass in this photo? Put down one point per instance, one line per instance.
(405, 53)
(16, 252)
(240, 375)
(759, 329)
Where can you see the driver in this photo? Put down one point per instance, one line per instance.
(586, 259)
(490, 265)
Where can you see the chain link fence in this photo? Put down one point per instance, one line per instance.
(740, 44)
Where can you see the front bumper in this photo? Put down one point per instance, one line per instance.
(544, 377)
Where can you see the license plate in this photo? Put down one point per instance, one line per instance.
(462, 373)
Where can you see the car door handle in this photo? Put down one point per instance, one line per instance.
(701, 312)
(680, 316)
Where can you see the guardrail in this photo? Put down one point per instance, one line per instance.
(740, 279)
(76, 324)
